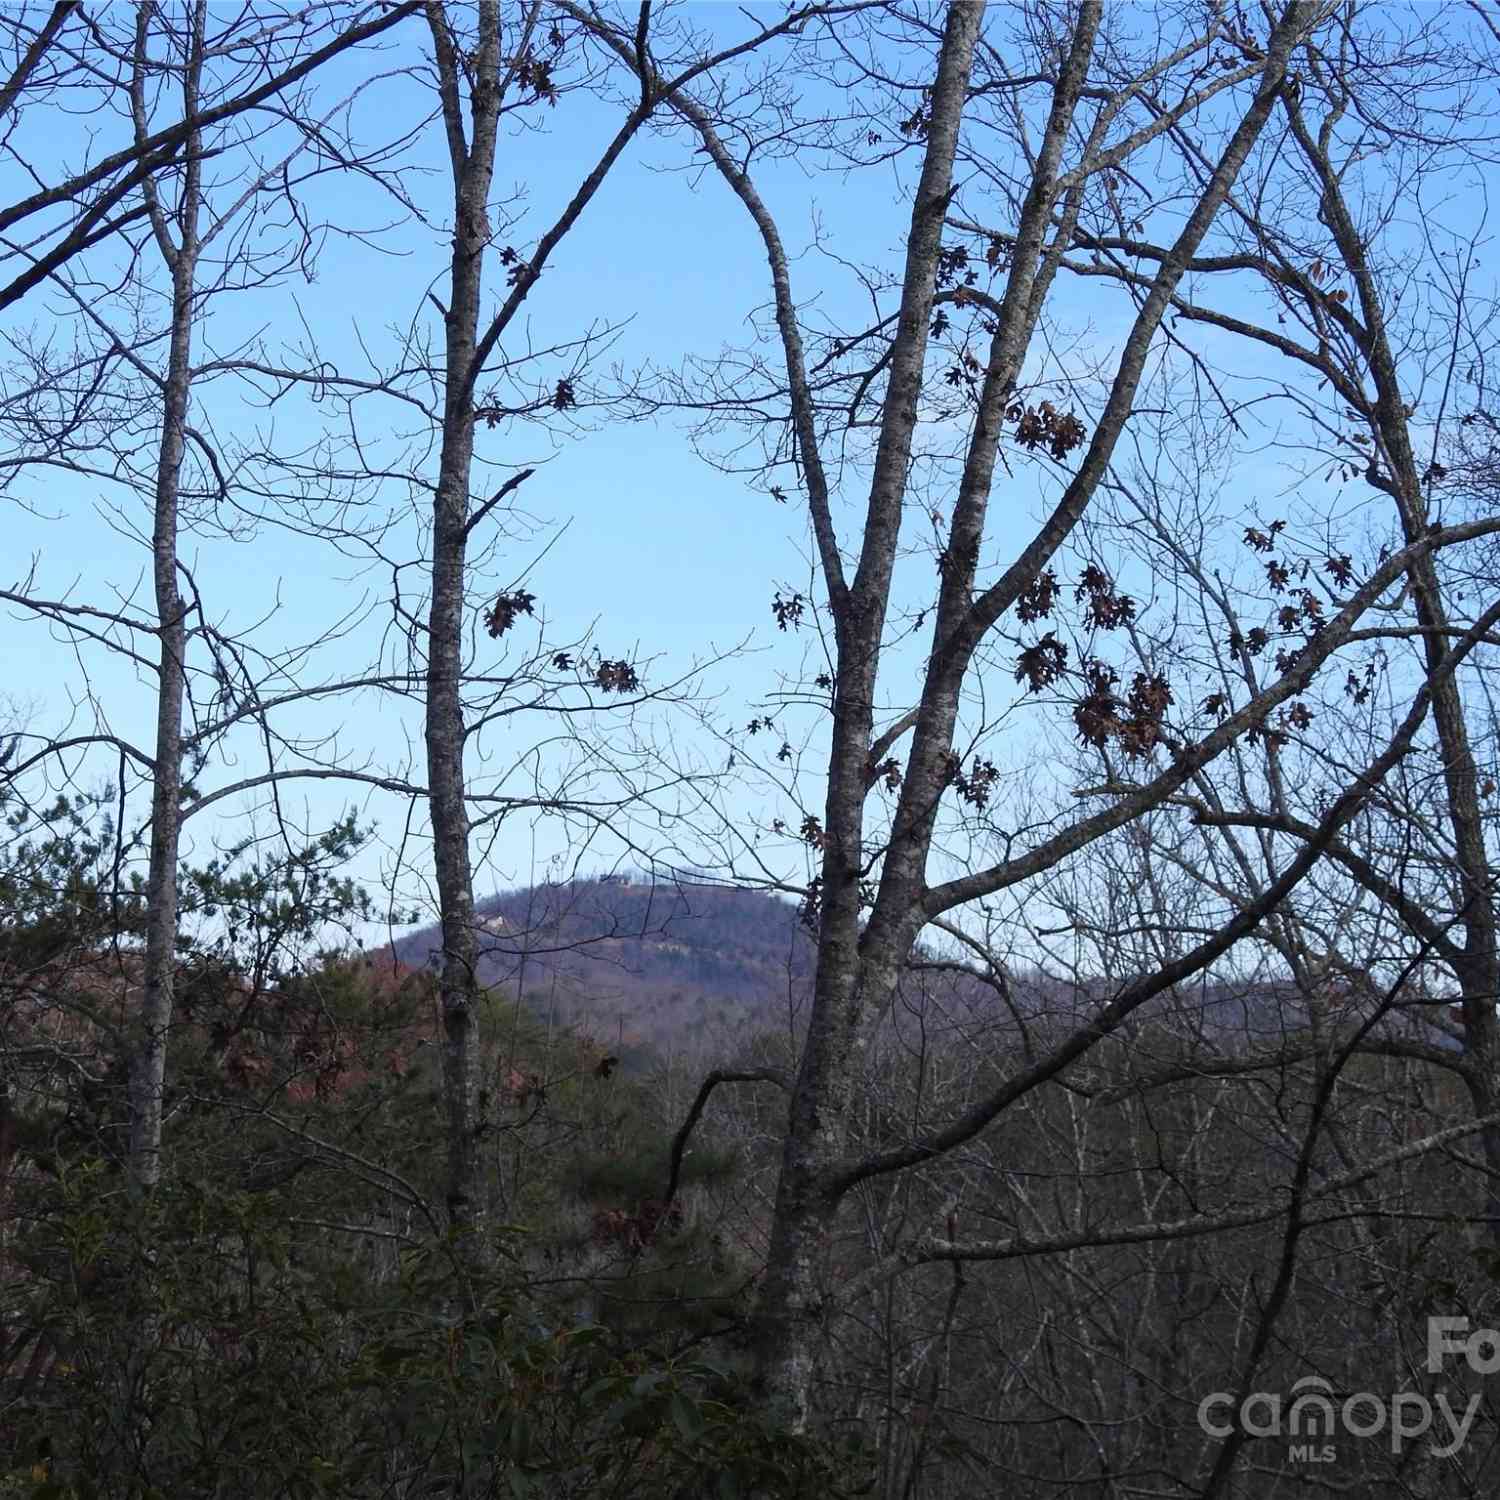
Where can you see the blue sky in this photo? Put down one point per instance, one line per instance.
(644, 543)
(637, 539)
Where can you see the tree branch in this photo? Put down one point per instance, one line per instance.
(685, 1131)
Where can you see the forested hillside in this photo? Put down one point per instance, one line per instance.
(276, 1319)
(648, 965)
(286, 1270)
(659, 968)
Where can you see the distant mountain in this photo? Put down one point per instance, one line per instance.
(656, 969)
(641, 963)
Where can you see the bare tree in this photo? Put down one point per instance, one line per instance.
(125, 383)
(73, 209)
(480, 78)
(1088, 102)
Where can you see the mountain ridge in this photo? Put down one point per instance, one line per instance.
(641, 963)
(673, 968)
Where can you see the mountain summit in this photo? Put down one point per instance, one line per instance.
(642, 963)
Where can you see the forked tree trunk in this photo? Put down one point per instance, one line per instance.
(858, 966)
(788, 1311)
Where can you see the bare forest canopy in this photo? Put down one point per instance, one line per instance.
(986, 512)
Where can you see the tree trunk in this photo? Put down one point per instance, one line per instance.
(857, 970)
(1478, 972)
(472, 161)
(147, 1072)
(843, 987)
